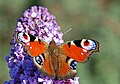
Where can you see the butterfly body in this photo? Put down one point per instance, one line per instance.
(55, 64)
(57, 61)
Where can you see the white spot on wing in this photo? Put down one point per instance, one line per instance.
(72, 43)
(30, 47)
(81, 53)
(84, 50)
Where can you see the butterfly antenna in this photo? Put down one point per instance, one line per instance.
(67, 31)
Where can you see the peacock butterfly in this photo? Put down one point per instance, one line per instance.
(57, 61)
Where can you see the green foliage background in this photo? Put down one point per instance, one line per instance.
(96, 19)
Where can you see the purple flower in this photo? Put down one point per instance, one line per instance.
(39, 22)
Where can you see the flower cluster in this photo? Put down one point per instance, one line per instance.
(39, 22)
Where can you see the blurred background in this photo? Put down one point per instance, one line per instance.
(96, 19)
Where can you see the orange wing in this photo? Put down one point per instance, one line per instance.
(35, 48)
(33, 45)
(80, 50)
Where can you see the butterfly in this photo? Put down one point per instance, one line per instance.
(57, 61)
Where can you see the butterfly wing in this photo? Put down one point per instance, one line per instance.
(33, 45)
(57, 61)
(73, 52)
(65, 70)
(80, 50)
(39, 51)
(44, 64)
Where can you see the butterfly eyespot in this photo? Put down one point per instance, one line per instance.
(88, 44)
(23, 37)
(39, 59)
(73, 64)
